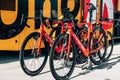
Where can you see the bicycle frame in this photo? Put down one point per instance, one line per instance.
(106, 25)
(73, 36)
(77, 41)
(43, 33)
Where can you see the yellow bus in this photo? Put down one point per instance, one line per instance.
(12, 33)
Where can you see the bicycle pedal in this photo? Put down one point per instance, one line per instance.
(87, 67)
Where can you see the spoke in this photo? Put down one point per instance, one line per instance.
(58, 62)
(62, 50)
(30, 65)
(31, 46)
(38, 60)
(34, 46)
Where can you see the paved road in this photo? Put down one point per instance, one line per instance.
(10, 69)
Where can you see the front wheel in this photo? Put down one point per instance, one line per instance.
(31, 62)
(60, 66)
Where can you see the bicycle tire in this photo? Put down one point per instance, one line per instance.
(24, 55)
(81, 33)
(98, 57)
(110, 44)
(56, 75)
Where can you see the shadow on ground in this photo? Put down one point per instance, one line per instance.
(8, 56)
(108, 65)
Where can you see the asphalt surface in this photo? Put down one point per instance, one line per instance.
(10, 69)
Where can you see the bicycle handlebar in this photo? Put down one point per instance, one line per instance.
(91, 7)
(67, 14)
(23, 18)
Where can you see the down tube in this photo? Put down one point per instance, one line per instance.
(80, 45)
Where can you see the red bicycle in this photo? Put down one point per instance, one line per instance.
(35, 48)
(63, 67)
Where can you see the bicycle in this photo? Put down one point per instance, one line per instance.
(37, 39)
(83, 37)
(32, 57)
(67, 42)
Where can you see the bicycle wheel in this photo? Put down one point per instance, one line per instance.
(82, 35)
(97, 44)
(62, 67)
(110, 44)
(31, 63)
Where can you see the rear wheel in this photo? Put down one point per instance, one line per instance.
(31, 62)
(98, 45)
(110, 44)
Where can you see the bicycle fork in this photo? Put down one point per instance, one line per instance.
(40, 40)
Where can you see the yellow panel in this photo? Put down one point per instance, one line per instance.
(118, 5)
(99, 9)
(8, 17)
(47, 8)
(71, 4)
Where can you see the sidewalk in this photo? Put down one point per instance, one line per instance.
(10, 69)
